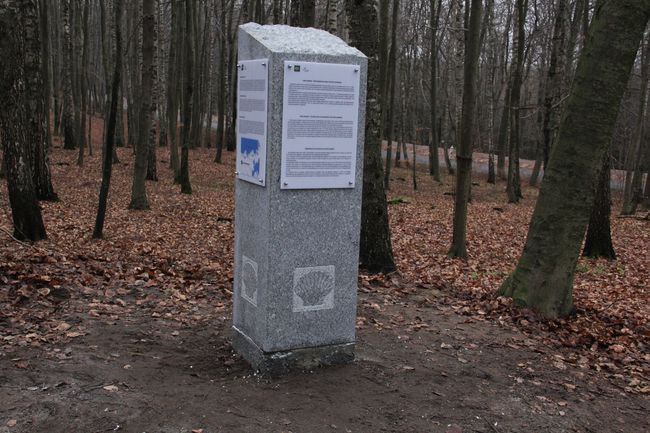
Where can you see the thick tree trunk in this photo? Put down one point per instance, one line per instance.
(543, 278)
(20, 53)
(464, 153)
(599, 233)
(107, 165)
(376, 253)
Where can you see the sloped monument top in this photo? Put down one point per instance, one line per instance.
(294, 40)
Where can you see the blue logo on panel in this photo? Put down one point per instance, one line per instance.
(250, 157)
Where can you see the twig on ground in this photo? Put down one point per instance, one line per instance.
(18, 240)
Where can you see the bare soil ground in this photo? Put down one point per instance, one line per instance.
(131, 333)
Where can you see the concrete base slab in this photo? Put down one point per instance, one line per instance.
(278, 363)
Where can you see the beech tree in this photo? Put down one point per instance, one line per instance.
(20, 70)
(107, 165)
(376, 252)
(599, 234)
(543, 278)
(139, 198)
(518, 41)
(464, 154)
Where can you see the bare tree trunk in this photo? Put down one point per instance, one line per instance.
(599, 235)
(107, 165)
(152, 170)
(41, 147)
(173, 74)
(69, 126)
(83, 86)
(518, 40)
(277, 11)
(308, 13)
(332, 16)
(20, 53)
(544, 276)
(554, 81)
(139, 198)
(221, 97)
(184, 180)
(376, 253)
(464, 154)
(632, 193)
(392, 78)
(434, 163)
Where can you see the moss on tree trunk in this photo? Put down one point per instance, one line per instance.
(543, 278)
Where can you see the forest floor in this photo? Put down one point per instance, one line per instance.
(132, 333)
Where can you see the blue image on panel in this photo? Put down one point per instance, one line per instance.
(250, 157)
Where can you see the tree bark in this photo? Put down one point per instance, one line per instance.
(307, 13)
(543, 278)
(20, 53)
(554, 81)
(599, 233)
(42, 148)
(391, 76)
(518, 40)
(173, 74)
(107, 165)
(434, 160)
(376, 253)
(632, 192)
(152, 169)
(332, 16)
(83, 86)
(139, 198)
(221, 97)
(464, 153)
(69, 126)
(184, 175)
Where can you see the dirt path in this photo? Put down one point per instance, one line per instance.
(131, 333)
(420, 368)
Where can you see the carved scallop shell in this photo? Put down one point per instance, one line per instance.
(313, 287)
(249, 280)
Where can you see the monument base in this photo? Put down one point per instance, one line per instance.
(278, 363)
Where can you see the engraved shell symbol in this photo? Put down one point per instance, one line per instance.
(313, 287)
(249, 280)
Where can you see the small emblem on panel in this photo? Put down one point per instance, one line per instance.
(249, 280)
(313, 288)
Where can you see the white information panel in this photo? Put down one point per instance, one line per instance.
(319, 125)
(252, 106)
